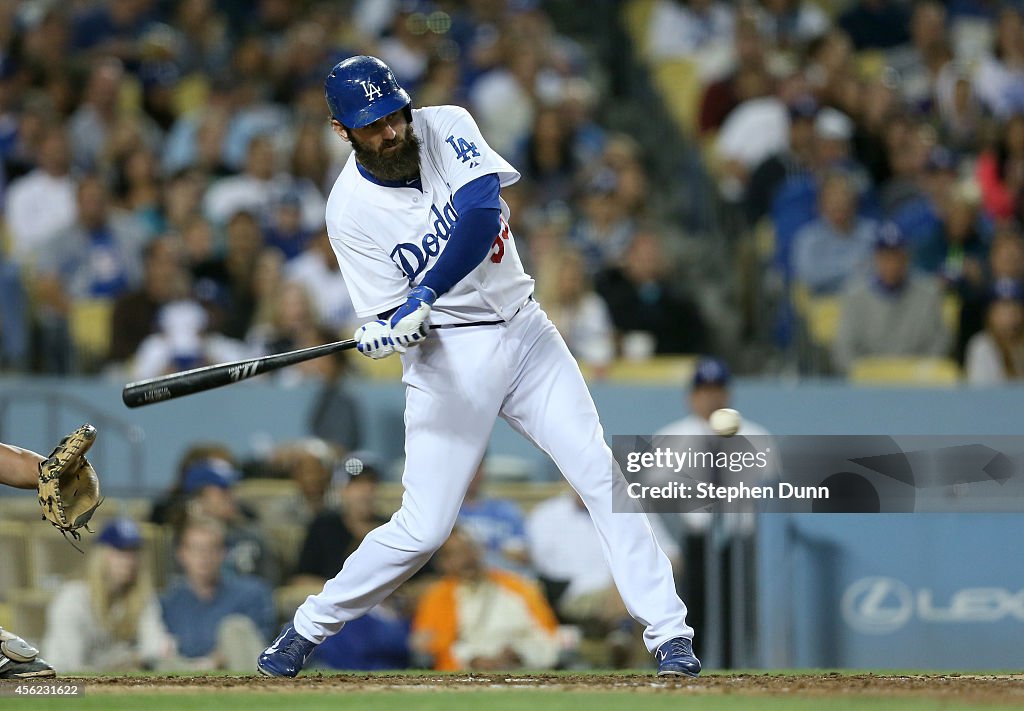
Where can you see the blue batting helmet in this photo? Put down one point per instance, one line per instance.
(362, 89)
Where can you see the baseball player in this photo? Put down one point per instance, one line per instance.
(69, 494)
(422, 237)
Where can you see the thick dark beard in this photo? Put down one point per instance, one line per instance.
(403, 164)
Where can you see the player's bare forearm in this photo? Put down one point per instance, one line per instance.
(19, 467)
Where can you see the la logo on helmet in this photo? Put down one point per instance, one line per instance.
(370, 89)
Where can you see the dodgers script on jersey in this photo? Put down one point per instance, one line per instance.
(387, 238)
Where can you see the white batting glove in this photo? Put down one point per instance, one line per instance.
(373, 340)
(409, 322)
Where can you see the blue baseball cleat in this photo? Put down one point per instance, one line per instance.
(287, 655)
(676, 658)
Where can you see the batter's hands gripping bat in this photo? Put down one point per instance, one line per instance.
(168, 387)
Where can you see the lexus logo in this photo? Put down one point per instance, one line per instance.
(877, 605)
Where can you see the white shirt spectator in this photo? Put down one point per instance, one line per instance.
(675, 31)
(76, 641)
(182, 344)
(326, 287)
(1000, 88)
(39, 207)
(242, 192)
(587, 328)
(564, 545)
(753, 131)
(983, 363)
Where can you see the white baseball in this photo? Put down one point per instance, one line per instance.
(725, 422)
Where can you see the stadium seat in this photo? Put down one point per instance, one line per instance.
(14, 569)
(951, 307)
(286, 541)
(659, 369)
(679, 84)
(260, 494)
(90, 327)
(288, 597)
(819, 313)
(158, 549)
(28, 612)
(636, 16)
(53, 560)
(895, 370)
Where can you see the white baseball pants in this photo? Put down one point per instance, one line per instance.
(458, 381)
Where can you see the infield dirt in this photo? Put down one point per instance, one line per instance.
(971, 688)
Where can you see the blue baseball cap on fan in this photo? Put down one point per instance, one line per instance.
(210, 472)
(1007, 289)
(711, 371)
(890, 236)
(122, 534)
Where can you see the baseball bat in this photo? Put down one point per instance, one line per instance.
(168, 387)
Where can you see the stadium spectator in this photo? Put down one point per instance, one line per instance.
(284, 311)
(796, 158)
(918, 63)
(218, 620)
(317, 268)
(309, 463)
(1000, 172)
(481, 619)
(41, 204)
(335, 533)
(957, 250)
(135, 313)
(642, 298)
(110, 621)
(999, 77)
(98, 257)
(169, 508)
(835, 246)
(604, 228)
(698, 30)
(183, 341)
(284, 230)
(791, 24)
(996, 354)
(579, 314)
(503, 98)
(1005, 261)
(893, 311)
(260, 186)
(496, 525)
(546, 157)
(208, 486)
(748, 78)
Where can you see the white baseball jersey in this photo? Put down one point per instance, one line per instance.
(387, 238)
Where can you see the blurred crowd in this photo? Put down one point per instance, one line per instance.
(164, 167)
(507, 590)
(871, 151)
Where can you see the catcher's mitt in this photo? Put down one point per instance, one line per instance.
(69, 490)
